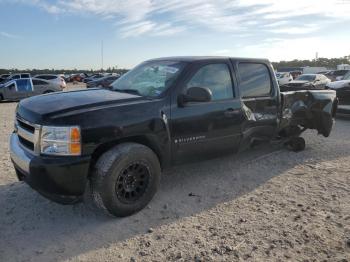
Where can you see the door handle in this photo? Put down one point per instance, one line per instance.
(230, 112)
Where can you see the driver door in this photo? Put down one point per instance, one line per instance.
(207, 129)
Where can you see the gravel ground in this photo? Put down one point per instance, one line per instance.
(266, 204)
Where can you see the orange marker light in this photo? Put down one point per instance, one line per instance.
(75, 149)
(75, 134)
(75, 146)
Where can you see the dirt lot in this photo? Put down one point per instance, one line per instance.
(265, 204)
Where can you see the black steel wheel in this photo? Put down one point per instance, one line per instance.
(125, 179)
(132, 182)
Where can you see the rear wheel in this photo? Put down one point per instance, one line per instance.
(125, 179)
(296, 144)
(1, 97)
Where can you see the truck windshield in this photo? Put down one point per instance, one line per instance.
(149, 79)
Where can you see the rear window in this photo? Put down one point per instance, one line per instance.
(255, 80)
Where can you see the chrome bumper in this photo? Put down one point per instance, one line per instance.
(19, 156)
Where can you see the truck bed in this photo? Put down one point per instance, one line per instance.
(309, 109)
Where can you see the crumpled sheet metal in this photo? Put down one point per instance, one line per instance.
(309, 109)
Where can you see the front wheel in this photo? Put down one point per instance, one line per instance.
(125, 179)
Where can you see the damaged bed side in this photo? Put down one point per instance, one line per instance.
(307, 109)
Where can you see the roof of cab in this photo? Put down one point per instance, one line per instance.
(204, 58)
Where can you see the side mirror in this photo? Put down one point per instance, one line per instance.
(195, 94)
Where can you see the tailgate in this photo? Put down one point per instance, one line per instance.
(312, 109)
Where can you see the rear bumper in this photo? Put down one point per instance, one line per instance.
(54, 177)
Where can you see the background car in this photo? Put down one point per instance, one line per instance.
(307, 82)
(18, 89)
(336, 75)
(54, 79)
(16, 76)
(342, 88)
(283, 77)
(295, 74)
(78, 77)
(94, 77)
(103, 82)
(4, 77)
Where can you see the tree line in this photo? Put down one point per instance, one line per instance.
(62, 71)
(330, 63)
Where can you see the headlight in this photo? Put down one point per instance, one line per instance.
(61, 140)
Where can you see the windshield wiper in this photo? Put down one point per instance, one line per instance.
(129, 91)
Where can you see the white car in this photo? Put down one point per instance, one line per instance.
(53, 79)
(284, 77)
(345, 82)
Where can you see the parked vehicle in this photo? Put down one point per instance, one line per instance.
(53, 79)
(295, 74)
(284, 77)
(337, 75)
(342, 88)
(3, 77)
(313, 69)
(307, 82)
(78, 77)
(113, 144)
(16, 76)
(93, 77)
(18, 89)
(103, 82)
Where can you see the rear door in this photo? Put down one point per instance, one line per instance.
(24, 88)
(206, 129)
(39, 86)
(10, 90)
(259, 94)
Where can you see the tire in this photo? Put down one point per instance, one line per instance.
(125, 179)
(1, 97)
(297, 144)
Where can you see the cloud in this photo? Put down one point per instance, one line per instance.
(236, 17)
(8, 35)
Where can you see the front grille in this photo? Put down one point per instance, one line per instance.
(26, 143)
(26, 126)
(28, 135)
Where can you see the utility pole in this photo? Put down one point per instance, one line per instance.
(102, 55)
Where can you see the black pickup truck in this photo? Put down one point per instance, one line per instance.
(113, 144)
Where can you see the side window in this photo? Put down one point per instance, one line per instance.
(255, 80)
(50, 77)
(39, 82)
(41, 76)
(217, 78)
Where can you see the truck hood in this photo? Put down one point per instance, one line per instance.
(42, 106)
(338, 84)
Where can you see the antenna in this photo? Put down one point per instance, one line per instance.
(102, 55)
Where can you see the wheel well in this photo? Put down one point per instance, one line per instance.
(136, 139)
